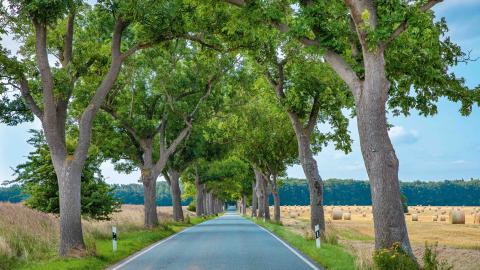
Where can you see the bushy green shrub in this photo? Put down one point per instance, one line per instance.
(394, 258)
(431, 261)
(191, 208)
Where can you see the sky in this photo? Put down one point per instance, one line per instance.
(445, 146)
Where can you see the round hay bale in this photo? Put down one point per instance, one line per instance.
(442, 218)
(364, 214)
(292, 214)
(457, 217)
(347, 216)
(435, 218)
(337, 214)
(476, 218)
(414, 217)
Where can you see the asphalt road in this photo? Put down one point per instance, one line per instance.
(228, 242)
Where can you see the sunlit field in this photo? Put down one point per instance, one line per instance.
(457, 243)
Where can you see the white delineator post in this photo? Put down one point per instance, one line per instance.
(317, 235)
(114, 238)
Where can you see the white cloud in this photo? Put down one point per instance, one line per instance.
(460, 161)
(399, 134)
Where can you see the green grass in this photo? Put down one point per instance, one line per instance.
(351, 235)
(128, 243)
(329, 256)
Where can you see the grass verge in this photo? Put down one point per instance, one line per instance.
(329, 256)
(102, 257)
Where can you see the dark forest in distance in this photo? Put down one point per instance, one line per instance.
(337, 192)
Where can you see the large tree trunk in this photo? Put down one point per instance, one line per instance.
(315, 183)
(71, 236)
(244, 204)
(176, 194)
(149, 198)
(260, 193)
(276, 199)
(379, 157)
(254, 200)
(199, 196)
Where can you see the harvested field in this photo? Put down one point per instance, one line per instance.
(459, 244)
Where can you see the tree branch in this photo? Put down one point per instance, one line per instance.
(45, 72)
(135, 48)
(66, 57)
(312, 119)
(25, 91)
(403, 26)
(201, 41)
(161, 131)
(345, 71)
(238, 3)
(86, 121)
(184, 133)
(167, 177)
(209, 87)
(122, 122)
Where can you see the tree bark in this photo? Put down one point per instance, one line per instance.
(205, 201)
(244, 204)
(305, 154)
(176, 194)
(276, 199)
(211, 203)
(259, 187)
(265, 197)
(379, 156)
(315, 183)
(199, 195)
(149, 198)
(71, 235)
(254, 200)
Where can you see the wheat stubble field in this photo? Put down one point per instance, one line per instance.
(459, 244)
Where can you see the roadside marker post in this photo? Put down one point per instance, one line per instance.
(114, 239)
(317, 235)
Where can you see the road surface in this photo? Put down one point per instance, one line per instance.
(228, 242)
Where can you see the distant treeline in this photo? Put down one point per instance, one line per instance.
(350, 192)
(127, 194)
(337, 192)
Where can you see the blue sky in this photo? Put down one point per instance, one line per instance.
(446, 146)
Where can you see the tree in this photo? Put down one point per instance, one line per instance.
(152, 112)
(310, 94)
(39, 182)
(387, 53)
(71, 32)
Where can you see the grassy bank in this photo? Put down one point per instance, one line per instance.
(103, 255)
(29, 239)
(330, 256)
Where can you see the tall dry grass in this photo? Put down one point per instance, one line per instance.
(27, 234)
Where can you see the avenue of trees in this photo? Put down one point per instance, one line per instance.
(220, 97)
